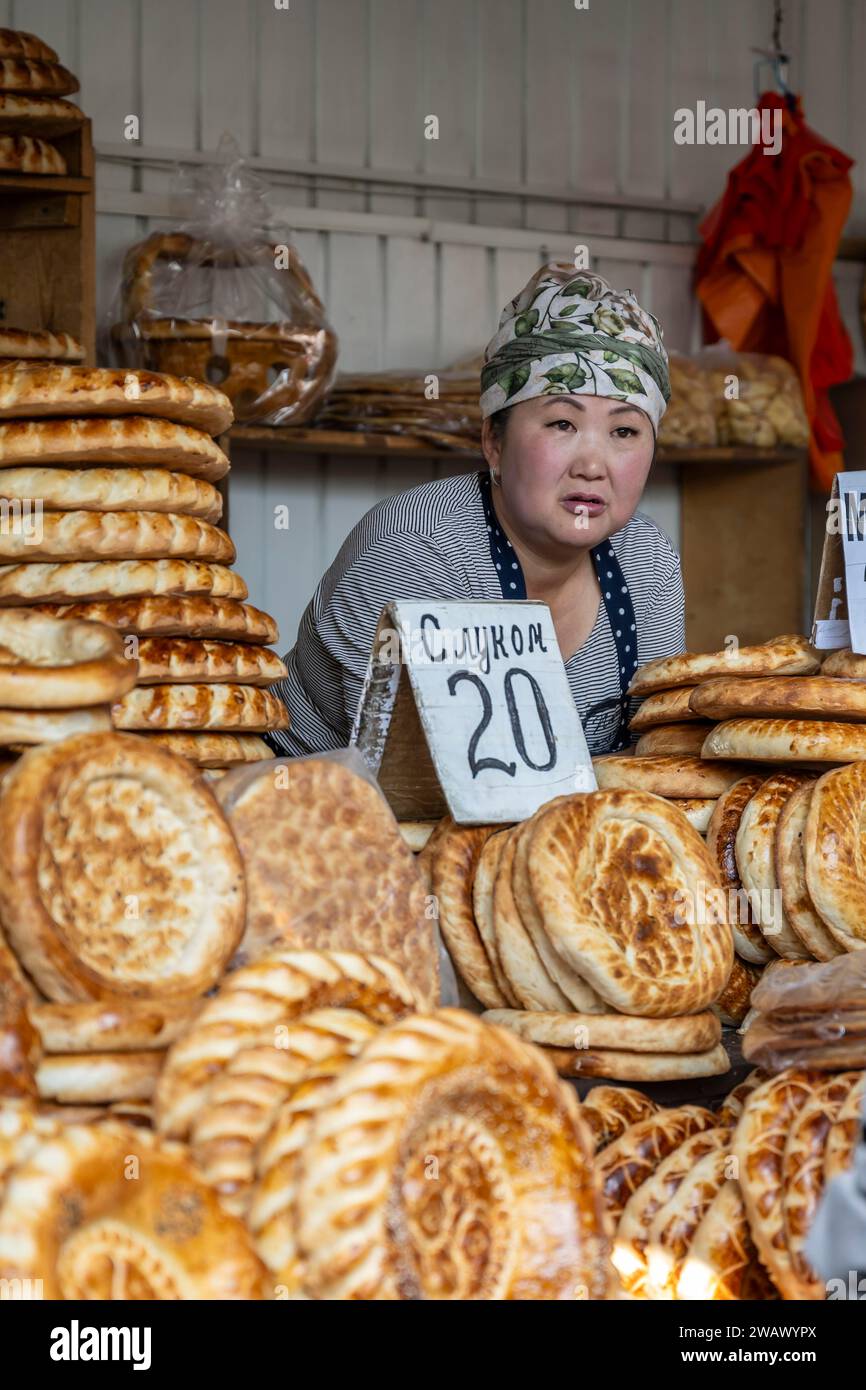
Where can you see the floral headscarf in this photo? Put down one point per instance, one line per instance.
(568, 331)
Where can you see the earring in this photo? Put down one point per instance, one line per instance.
(494, 477)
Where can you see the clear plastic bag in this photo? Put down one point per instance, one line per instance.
(224, 299)
(690, 419)
(811, 1016)
(763, 406)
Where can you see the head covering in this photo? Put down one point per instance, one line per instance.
(568, 331)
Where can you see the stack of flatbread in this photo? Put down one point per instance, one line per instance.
(593, 930)
(32, 86)
(109, 513)
(58, 677)
(121, 903)
(719, 1205)
(401, 403)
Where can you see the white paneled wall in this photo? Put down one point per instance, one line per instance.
(555, 128)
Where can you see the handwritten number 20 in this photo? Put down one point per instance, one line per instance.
(478, 764)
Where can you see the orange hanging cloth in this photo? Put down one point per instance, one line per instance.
(765, 271)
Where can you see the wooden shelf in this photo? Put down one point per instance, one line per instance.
(292, 440)
(43, 183)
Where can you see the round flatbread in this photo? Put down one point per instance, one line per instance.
(721, 842)
(673, 1228)
(754, 849)
(177, 615)
(455, 858)
(45, 116)
(32, 392)
(803, 1177)
(216, 706)
(833, 845)
(37, 343)
(631, 1159)
(667, 740)
(483, 883)
(580, 995)
(162, 1236)
(18, 74)
(672, 776)
(40, 581)
(49, 663)
(112, 1025)
(22, 727)
(96, 1078)
(759, 1147)
(780, 697)
(789, 655)
(254, 1002)
(520, 961)
(92, 535)
(130, 441)
(620, 1065)
(787, 741)
(513, 1161)
(608, 1111)
(82, 825)
(111, 490)
(698, 810)
(790, 869)
(665, 707)
(355, 884)
(734, 1001)
(844, 663)
(26, 154)
(630, 896)
(239, 1105)
(215, 751)
(694, 1033)
(181, 659)
(18, 43)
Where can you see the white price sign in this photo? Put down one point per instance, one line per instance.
(467, 706)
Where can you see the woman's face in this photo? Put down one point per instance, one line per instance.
(572, 468)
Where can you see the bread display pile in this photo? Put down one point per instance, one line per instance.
(780, 815)
(592, 929)
(32, 85)
(398, 403)
(122, 466)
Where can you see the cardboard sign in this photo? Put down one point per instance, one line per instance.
(840, 606)
(466, 708)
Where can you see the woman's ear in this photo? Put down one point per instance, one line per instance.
(491, 444)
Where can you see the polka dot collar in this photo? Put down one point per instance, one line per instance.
(614, 591)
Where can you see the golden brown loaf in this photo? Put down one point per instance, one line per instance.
(627, 1162)
(39, 581)
(162, 1236)
(790, 869)
(37, 342)
(789, 655)
(516, 1211)
(630, 897)
(803, 697)
(692, 1033)
(803, 1176)
(672, 775)
(18, 74)
(82, 825)
(721, 842)
(354, 885)
(39, 115)
(844, 663)
(665, 707)
(483, 885)
(618, 1064)
(698, 811)
(254, 1002)
(455, 858)
(27, 392)
(112, 1025)
(667, 740)
(132, 440)
(177, 615)
(46, 663)
(787, 740)
(833, 845)
(97, 1078)
(520, 961)
(754, 849)
(26, 154)
(608, 1111)
(170, 659)
(112, 490)
(215, 706)
(215, 750)
(19, 727)
(107, 535)
(18, 43)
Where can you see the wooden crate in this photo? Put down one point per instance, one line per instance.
(47, 242)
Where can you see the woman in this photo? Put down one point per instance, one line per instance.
(574, 384)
